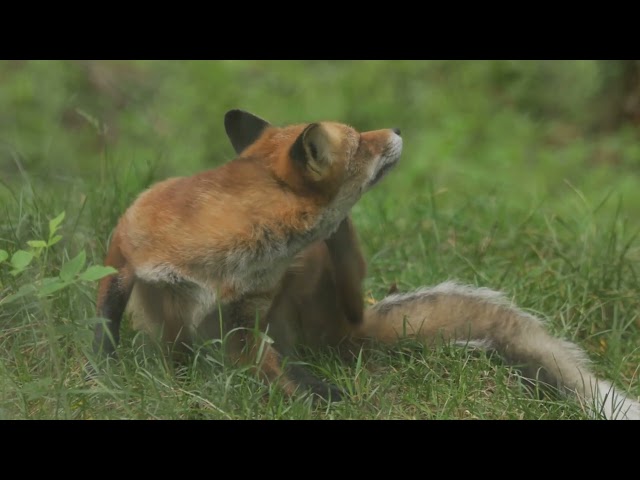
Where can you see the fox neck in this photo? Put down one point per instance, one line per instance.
(260, 265)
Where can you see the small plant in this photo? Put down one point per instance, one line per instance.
(21, 261)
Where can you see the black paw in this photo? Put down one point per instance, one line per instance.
(329, 393)
(319, 389)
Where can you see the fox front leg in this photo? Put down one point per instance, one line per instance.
(350, 269)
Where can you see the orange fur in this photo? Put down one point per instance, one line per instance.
(223, 239)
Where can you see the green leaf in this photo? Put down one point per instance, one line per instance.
(53, 224)
(27, 288)
(48, 280)
(52, 287)
(54, 240)
(22, 291)
(37, 243)
(73, 267)
(96, 272)
(21, 259)
(3, 255)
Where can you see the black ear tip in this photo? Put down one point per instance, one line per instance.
(243, 128)
(232, 114)
(232, 117)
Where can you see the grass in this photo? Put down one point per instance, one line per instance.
(503, 183)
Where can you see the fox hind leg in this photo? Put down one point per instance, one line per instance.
(114, 293)
(247, 347)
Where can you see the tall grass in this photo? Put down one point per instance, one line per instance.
(502, 184)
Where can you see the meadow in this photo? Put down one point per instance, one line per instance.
(520, 176)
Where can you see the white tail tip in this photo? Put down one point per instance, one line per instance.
(614, 405)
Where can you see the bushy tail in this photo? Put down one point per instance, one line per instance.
(483, 317)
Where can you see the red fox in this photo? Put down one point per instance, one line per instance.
(320, 304)
(219, 242)
(315, 296)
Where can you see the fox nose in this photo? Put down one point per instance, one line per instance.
(396, 131)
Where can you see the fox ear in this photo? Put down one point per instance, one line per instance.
(312, 149)
(243, 128)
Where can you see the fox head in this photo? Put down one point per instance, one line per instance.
(327, 159)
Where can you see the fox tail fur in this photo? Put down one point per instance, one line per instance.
(485, 318)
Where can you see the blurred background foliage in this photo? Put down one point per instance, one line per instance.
(525, 128)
